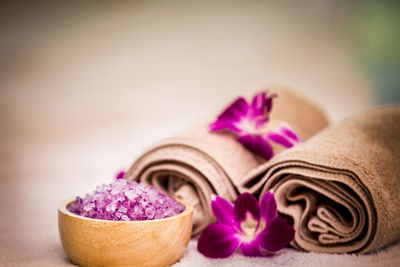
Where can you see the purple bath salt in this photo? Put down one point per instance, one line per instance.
(124, 200)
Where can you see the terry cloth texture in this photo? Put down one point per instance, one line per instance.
(341, 188)
(195, 164)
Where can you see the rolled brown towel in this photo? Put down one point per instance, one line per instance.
(341, 188)
(195, 164)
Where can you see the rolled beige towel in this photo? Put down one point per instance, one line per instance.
(341, 188)
(195, 164)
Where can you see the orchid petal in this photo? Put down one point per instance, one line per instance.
(268, 103)
(268, 207)
(120, 175)
(261, 121)
(223, 210)
(258, 104)
(276, 235)
(235, 111)
(289, 133)
(218, 241)
(221, 124)
(280, 139)
(257, 145)
(283, 135)
(245, 203)
(251, 249)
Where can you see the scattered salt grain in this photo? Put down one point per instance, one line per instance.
(127, 201)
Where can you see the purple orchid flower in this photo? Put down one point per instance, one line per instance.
(120, 175)
(252, 123)
(253, 228)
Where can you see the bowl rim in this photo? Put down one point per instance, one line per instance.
(62, 208)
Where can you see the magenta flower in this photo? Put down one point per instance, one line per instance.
(120, 175)
(251, 122)
(255, 229)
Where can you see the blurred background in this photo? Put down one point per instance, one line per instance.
(85, 86)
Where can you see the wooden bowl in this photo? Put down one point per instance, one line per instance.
(93, 242)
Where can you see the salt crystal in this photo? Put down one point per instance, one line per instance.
(88, 206)
(150, 212)
(139, 189)
(115, 191)
(122, 209)
(111, 207)
(137, 210)
(126, 200)
(130, 194)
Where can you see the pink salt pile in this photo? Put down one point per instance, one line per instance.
(124, 200)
